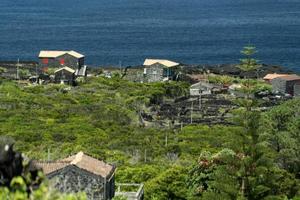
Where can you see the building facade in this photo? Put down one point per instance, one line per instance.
(72, 59)
(159, 70)
(285, 84)
(297, 90)
(201, 88)
(65, 75)
(81, 173)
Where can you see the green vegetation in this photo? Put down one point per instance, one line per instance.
(19, 191)
(101, 118)
(24, 73)
(257, 157)
(2, 70)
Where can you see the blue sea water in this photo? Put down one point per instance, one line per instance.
(188, 31)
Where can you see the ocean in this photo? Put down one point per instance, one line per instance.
(113, 32)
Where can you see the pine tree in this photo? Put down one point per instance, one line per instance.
(244, 171)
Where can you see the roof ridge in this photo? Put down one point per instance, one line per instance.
(78, 158)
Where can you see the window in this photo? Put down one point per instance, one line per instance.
(62, 61)
(45, 61)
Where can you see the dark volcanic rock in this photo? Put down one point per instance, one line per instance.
(233, 70)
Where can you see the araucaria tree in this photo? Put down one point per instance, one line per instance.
(244, 170)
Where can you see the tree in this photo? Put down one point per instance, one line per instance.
(280, 128)
(24, 73)
(2, 70)
(242, 172)
(248, 63)
(18, 190)
(170, 184)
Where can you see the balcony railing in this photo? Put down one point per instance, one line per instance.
(133, 191)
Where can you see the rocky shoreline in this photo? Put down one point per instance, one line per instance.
(222, 69)
(233, 70)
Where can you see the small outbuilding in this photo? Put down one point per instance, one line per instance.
(203, 88)
(286, 84)
(65, 75)
(81, 173)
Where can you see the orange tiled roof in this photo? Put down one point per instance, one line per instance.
(272, 76)
(80, 160)
(291, 77)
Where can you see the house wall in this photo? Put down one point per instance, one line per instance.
(68, 59)
(157, 72)
(290, 86)
(64, 75)
(279, 85)
(153, 73)
(72, 179)
(110, 188)
(284, 86)
(194, 92)
(200, 88)
(71, 61)
(297, 90)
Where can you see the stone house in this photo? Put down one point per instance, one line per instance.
(286, 84)
(81, 173)
(56, 59)
(64, 75)
(155, 70)
(204, 88)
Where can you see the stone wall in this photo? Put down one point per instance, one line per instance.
(279, 85)
(72, 179)
(297, 90)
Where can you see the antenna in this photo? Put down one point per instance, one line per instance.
(192, 111)
(120, 65)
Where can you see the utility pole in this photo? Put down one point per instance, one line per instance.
(199, 102)
(145, 156)
(18, 65)
(36, 70)
(192, 105)
(120, 66)
(166, 140)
